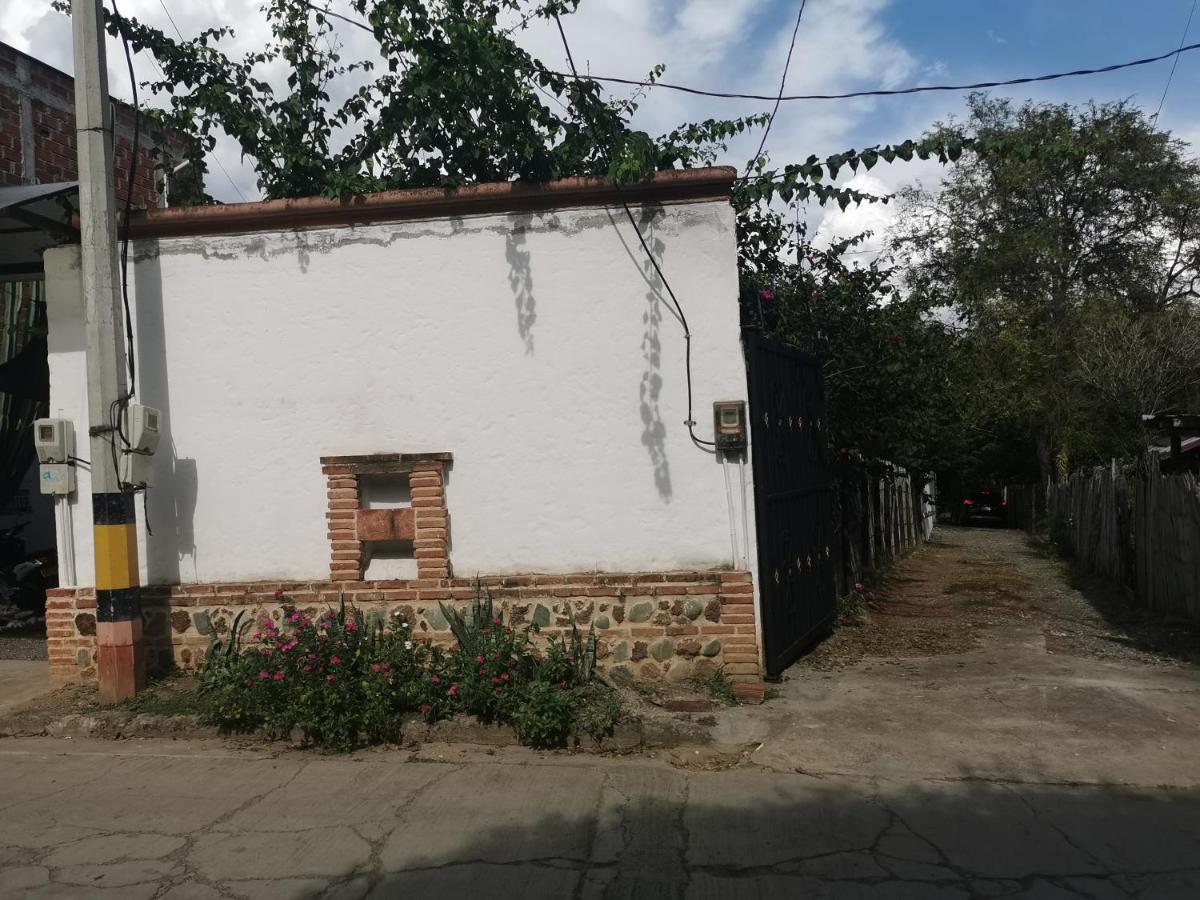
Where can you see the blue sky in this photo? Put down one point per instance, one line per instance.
(741, 45)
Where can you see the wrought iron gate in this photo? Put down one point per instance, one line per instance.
(793, 499)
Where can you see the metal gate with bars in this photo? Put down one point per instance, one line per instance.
(793, 499)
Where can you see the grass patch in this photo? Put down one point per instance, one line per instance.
(172, 696)
(718, 686)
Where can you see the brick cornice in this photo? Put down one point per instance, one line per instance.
(676, 186)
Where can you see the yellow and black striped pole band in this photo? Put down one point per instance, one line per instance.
(114, 527)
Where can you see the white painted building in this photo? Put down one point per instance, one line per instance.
(521, 330)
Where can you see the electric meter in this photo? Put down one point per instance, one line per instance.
(729, 424)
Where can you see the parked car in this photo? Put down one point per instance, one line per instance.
(985, 505)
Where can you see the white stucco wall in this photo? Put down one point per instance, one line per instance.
(534, 347)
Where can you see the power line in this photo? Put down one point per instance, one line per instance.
(687, 334)
(782, 81)
(848, 95)
(919, 89)
(1174, 64)
(170, 18)
(215, 158)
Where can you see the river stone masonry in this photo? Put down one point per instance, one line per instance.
(667, 626)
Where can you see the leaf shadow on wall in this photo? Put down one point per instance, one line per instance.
(520, 279)
(654, 430)
(171, 501)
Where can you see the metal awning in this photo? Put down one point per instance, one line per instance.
(32, 218)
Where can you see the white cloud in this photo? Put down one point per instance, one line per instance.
(723, 44)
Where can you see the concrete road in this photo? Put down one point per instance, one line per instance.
(22, 680)
(199, 820)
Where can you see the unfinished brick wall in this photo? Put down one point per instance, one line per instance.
(39, 97)
(650, 626)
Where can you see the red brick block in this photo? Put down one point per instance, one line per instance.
(375, 525)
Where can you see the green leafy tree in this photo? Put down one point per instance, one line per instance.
(886, 359)
(1089, 217)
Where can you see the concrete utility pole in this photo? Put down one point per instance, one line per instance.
(120, 660)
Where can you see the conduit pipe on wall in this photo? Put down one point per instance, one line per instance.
(733, 552)
(66, 541)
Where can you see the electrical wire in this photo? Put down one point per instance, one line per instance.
(919, 89)
(847, 95)
(782, 83)
(215, 158)
(687, 334)
(116, 409)
(1174, 64)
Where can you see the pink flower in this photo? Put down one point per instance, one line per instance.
(335, 660)
(479, 659)
(767, 294)
(279, 676)
(425, 709)
(308, 668)
(329, 678)
(496, 621)
(453, 689)
(264, 675)
(375, 667)
(858, 585)
(351, 626)
(387, 665)
(504, 676)
(435, 679)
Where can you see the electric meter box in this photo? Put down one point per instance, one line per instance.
(142, 429)
(56, 478)
(54, 441)
(729, 424)
(137, 469)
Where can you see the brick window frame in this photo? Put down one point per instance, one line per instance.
(350, 526)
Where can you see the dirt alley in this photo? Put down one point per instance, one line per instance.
(980, 657)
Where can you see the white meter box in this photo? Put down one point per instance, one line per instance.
(56, 478)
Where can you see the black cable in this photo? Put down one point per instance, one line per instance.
(848, 95)
(137, 135)
(116, 410)
(1175, 63)
(687, 334)
(920, 89)
(782, 81)
(76, 459)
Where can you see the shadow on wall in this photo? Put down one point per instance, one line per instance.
(641, 832)
(520, 278)
(171, 501)
(654, 430)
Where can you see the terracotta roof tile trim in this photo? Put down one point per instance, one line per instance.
(677, 186)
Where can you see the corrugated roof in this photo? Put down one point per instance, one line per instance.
(32, 218)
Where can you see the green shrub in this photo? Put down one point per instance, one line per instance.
(598, 710)
(489, 661)
(544, 715)
(225, 691)
(851, 606)
(340, 682)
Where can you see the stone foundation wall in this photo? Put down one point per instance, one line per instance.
(651, 626)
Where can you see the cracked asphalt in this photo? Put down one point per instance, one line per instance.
(1046, 751)
(160, 819)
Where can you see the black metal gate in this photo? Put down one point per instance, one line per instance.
(793, 499)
